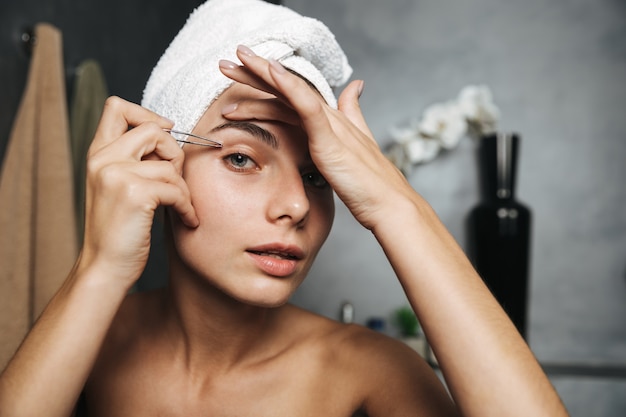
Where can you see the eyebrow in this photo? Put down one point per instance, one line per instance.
(256, 131)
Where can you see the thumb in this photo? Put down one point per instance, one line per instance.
(348, 104)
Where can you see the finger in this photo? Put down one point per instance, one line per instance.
(307, 102)
(153, 170)
(173, 191)
(261, 109)
(118, 116)
(243, 75)
(150, 141)
(348, 104)
(176, 198)
(169, 189)
(318, 119)
(259, 73)
(146, 141)
(146, 185)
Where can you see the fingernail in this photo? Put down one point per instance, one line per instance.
(245, 50)
(226, 64)
(229, 108)
(277, 66)
(361, 87)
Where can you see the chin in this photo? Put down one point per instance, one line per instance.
(267, 295)
(264, 302)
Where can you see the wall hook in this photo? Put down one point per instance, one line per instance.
(28, 41)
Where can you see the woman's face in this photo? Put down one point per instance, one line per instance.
(263, 207)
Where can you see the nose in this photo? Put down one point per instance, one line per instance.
(289, 202)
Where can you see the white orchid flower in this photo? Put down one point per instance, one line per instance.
(410, 147)
(444, 122)
(404, 133)
(442, 126)
(422, 150)
(476, 103)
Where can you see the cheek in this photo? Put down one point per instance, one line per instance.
(218, 205)
(323, 215)
(222, 204)
(226, 217)
(212, 191)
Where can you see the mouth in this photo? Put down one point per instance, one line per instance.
(277, 254)
(277, 260)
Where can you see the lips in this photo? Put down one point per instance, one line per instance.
(275, 254)
(276, 260)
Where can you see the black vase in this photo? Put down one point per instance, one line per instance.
(498, 228)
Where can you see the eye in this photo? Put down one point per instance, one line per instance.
(240, 161)
(314, 179)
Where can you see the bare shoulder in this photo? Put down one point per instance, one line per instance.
(357, 346)
(354, 345)
(388, 376)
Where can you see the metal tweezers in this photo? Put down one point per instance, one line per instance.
(206, 142)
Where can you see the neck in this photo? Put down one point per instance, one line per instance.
(209, 328)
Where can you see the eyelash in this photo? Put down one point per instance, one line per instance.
(310, 178)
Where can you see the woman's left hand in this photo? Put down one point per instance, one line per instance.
(340, 142)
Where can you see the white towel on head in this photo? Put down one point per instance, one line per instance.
(187, 79)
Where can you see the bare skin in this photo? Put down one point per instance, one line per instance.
(303, 365)
(221, 339)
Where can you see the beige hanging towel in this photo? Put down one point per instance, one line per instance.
(38, 228)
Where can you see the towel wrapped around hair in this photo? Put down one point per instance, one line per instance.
(187, 79)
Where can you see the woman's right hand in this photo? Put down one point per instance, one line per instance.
(133, 166)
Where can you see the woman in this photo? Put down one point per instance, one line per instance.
(246, 221)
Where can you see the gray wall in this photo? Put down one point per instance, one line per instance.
(558, 73)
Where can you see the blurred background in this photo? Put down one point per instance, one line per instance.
(557, 70)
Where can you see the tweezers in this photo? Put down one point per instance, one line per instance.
(206, 141)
